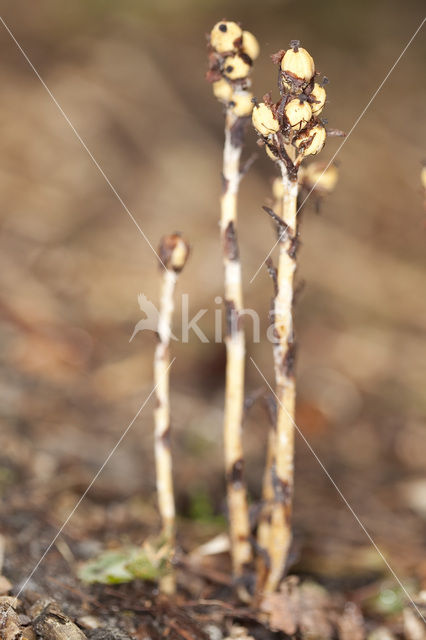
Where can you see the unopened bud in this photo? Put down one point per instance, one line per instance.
(298, 63)
(320, 176)
(319, 95)
(222, 90)
(250, 45)
(264, 120)
(298, 113)
(241, 104)
(223, 36)
(312, 141)
(235, 67)
(174, 252)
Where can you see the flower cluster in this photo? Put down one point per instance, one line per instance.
(231, 55)
(291, 128)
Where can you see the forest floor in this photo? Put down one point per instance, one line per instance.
(338, 586)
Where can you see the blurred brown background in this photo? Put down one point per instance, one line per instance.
(130, 77)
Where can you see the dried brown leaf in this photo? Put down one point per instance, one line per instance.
(314, 619)
(351, 623)
(283, 607)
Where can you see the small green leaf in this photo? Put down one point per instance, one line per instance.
(110, 567)
(149, 562)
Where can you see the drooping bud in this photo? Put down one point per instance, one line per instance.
(298, 62)
(174, 252)
(222, 90)
(312, 141)
(241, 104)
(264, 120)
(236, 67)
(298, 113)
(223, 36)
(250, 45)
(318, 175)
(319, 95)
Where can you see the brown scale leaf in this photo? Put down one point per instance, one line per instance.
(283, 607)
(304, 608)
(351, 623)
(278, 56)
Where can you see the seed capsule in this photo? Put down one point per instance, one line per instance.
(312, 141)
(298, 113)
(250, 45)
(174, 252)
(263, 120)
(222, 90)
(223, 36)
(235, 67)
(298, 63)
(241, 104)
(319, 95)
(319, 175)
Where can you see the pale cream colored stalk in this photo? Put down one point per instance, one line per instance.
(235, 352)
(282, 439)
(163, 456)
(173, 254)
(264, 525)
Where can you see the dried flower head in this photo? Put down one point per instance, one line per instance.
(298, 63)
(226, 36)
(174, 252)
(264, 120)
(298, 113)
(236, 67)
(231, 55)
(290, 127)
(222, 90)
(241, 104)
(250, 45)
(317, 98)
(312, 141)
(319, 176)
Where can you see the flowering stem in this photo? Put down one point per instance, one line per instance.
(163, 456)
(235, 348)
(173, 253)
(282, 440)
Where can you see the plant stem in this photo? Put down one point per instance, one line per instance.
(264, 526)
(283, 439)
(163, 457)
(235, 349)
